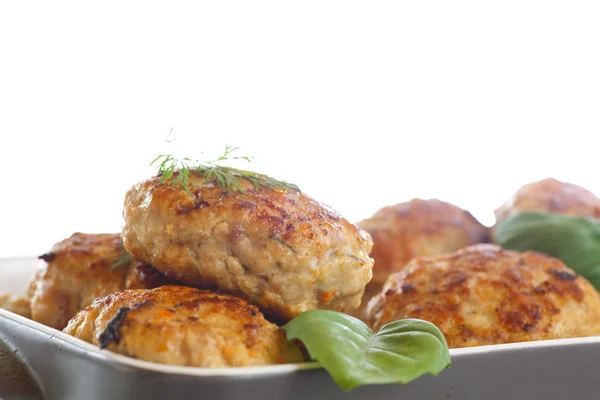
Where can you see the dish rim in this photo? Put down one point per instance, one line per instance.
(106, 356)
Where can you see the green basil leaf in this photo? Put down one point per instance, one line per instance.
(400, 352)
(574, 240)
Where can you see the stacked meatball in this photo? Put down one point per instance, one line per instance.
(80, 269)
(205, 267)
(180, 325)
(280, 250)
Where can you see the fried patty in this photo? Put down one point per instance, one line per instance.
(484, 295)
(551, 196)
(418, 228)
(180, 325)
(280, 250)
(81, 268)
(413, 229)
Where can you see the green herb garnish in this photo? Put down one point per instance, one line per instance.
(177, 171)
(122, 261)
(354, 356)
(572, 239)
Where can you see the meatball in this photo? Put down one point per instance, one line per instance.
(180, 325)
(412, 229)
(418, 228)
(15, 304)
(81, 268)
(483, 295)
(552, 196)
(280, 250)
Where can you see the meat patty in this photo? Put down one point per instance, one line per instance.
(281, 250)
(180, 325)
(418, 228)
(15, 304)
(413, 229)
(81, 268)
(484, 295)
(552, 196)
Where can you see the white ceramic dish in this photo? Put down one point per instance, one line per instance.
(63, 368)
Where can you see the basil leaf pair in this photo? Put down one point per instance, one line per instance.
(574, 240)
(353, 355)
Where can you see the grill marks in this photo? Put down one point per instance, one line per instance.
(407, 287)
(111, 332)
(245, 205)
(273, 211)
(47, 257)
(563, 275)
(283, 243)
(142, 304)
(196, 205)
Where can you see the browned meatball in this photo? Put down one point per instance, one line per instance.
(81, 268)
(552, 196)
(15, 304)
(412, 229)
(280, 250)
(183, 326)
(418, 228)
(484, 295)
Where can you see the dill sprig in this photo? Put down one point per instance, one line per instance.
(178, 171)
(121, 261)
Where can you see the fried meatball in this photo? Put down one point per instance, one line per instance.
(413, 229)
(418, 228)
(180, 325)
(280, 250)
(81, 268)
(483, 295)
(15, 304)
(552, 196)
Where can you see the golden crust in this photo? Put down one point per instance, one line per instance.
(484, 295)
(281, 250)
(79, 269)
(183, 326)
(552, 196)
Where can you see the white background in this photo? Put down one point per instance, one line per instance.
(362, 104)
